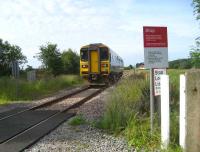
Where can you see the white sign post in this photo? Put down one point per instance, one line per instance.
(164, 111)
(182, 121)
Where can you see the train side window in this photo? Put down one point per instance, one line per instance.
(84, 55)
(104, 53)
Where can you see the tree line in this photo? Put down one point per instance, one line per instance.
(195, 52)
(53, 61)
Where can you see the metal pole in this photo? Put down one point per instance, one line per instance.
(151, 100)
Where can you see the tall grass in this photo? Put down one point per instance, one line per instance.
(123, 104)
(174, 76)
(16, 90)
(127, 113)
(138, 134)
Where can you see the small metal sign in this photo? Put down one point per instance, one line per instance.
(156, 57)
(155, 47)
(157, 73)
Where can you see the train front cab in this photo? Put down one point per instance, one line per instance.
(94, 63)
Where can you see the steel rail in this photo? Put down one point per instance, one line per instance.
(10, 144)
(51, 102)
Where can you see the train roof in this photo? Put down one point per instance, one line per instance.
(95, 44)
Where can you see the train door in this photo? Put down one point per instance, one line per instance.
(94, 61)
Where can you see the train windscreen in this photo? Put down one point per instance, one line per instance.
(104, 54)
(84, 54)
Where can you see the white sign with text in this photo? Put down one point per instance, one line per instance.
(157, 73)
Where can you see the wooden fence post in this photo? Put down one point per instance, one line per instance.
(193, 111)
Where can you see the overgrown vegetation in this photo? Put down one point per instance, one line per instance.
(174, 76)
(195, 54)
(127, 113)
(77, 120)
(20, 90)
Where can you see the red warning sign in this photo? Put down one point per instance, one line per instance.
(155, 37)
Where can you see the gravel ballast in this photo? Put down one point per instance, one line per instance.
(83, 138)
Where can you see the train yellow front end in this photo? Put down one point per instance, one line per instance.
(95, 62)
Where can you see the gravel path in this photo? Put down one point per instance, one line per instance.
(83, 138)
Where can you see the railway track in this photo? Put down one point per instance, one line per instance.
(16, 111)
(20, 129)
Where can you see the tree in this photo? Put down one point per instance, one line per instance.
(195, 54)
(9, 53)
(130, 66)
(71, 61)
(51, 58)
(196, 4)
(29, 68)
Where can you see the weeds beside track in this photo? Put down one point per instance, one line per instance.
(12, 90)
(127, 112)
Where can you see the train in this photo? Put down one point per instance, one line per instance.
(98, 63)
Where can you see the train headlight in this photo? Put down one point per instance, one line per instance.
(84, 66)
(104, 65)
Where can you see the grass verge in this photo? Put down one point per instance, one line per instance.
(127, 113)
(22, 90)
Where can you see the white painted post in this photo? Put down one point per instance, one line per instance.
(164, 111)
(182, 123)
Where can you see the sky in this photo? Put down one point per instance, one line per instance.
(116, 23)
